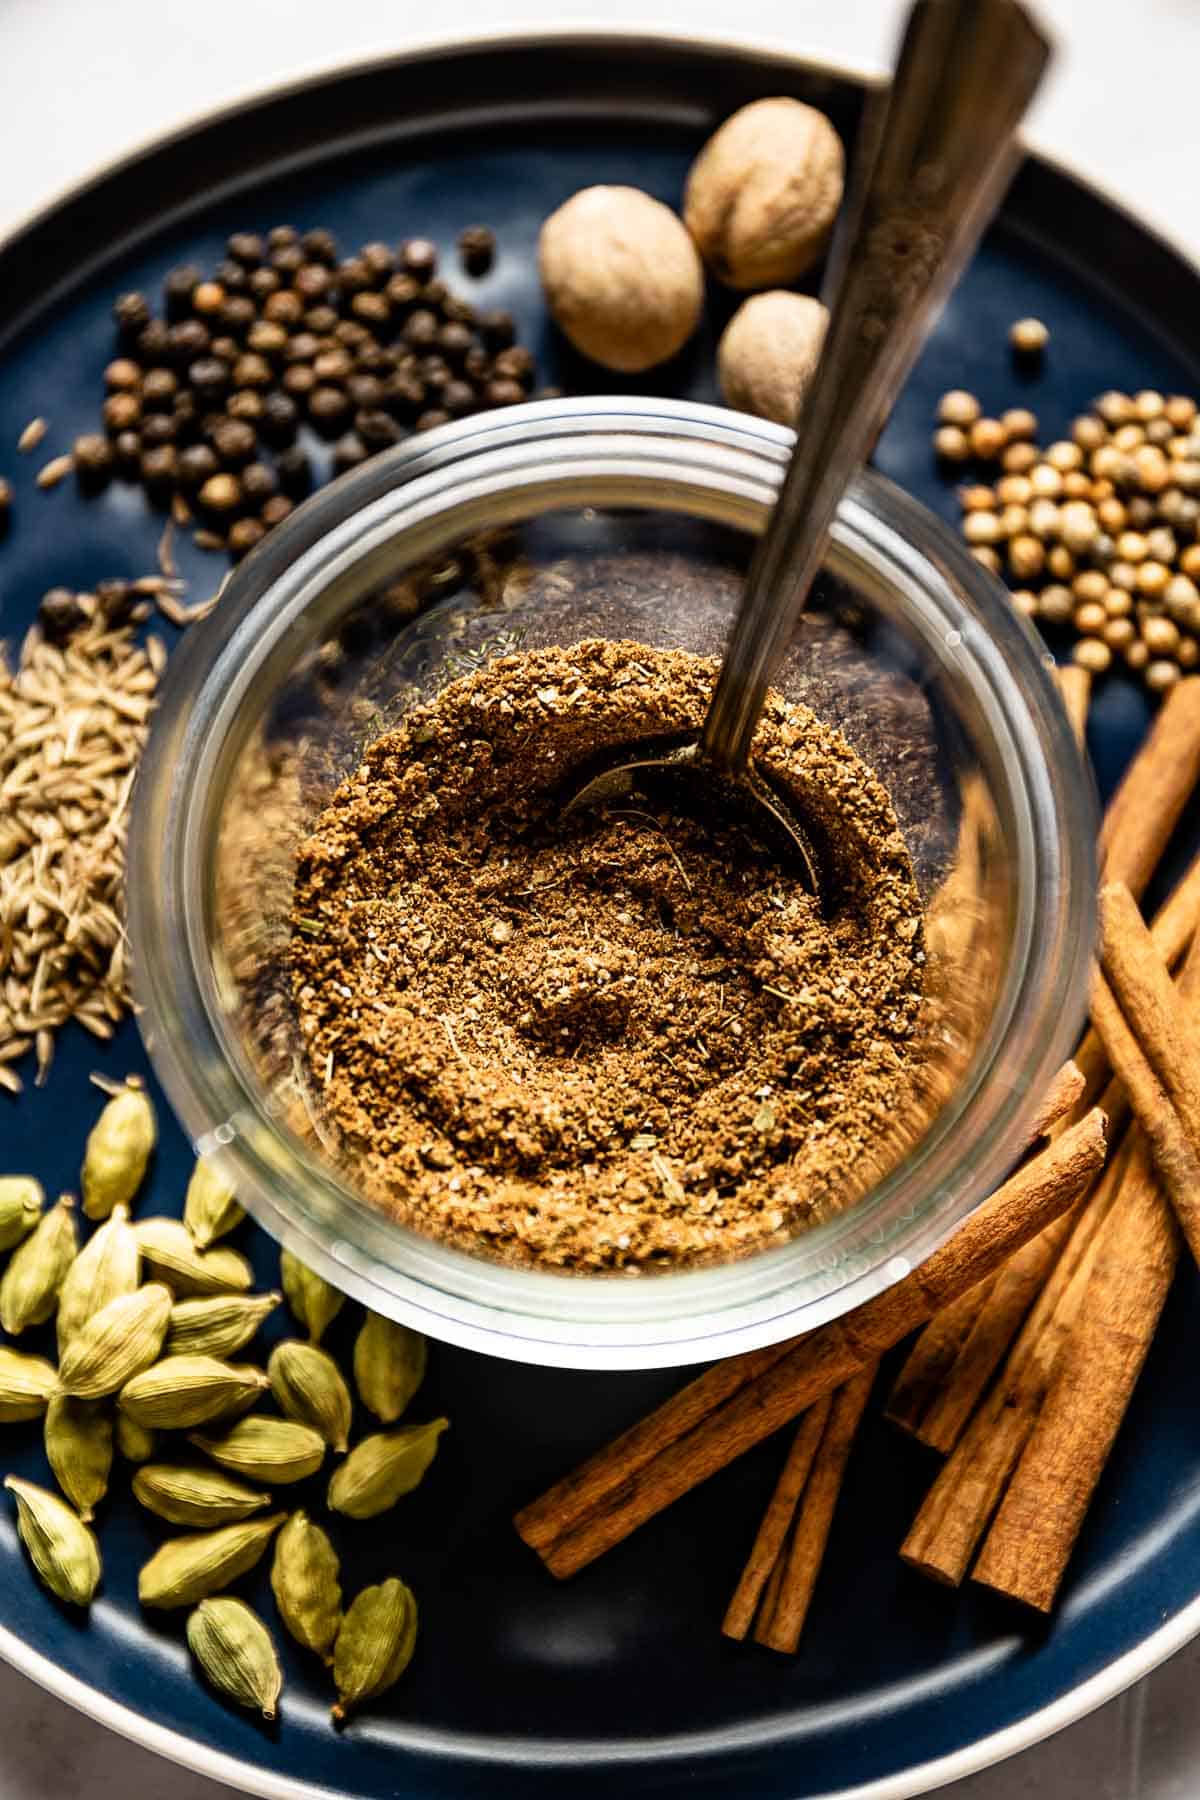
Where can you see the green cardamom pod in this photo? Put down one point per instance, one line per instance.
(209, 1207)
(116, 1344)
(234, 1648)
(306, 1585)
(168, 1251)
(26, 1384)
(383, 1468)
(79, 1449)
(190, 1390)
(308, 1387)
(117, 1151)
(266, 1449)
(201, 1497)
(187, 1569)
(137, 1443)
(109, 1265)
(218, 1325)
(61, 1548)
(375, 1644)
(314, 1301)
(37, 1268)
(389, 1366)
(21, 1203)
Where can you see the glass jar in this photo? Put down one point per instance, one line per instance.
(464, 544)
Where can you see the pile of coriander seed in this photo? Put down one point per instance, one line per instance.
(1097, 532)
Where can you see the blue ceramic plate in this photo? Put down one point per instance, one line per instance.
(622, 1675)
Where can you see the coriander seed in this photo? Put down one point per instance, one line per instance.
(1136, 655)
(951, 444)
(1119, 633)
(1148, 404)
(1057, 604)
(1018, 459)
(1092, 653)
(1026, 557)
(1090, 618)
(1064, 455)
(1060, 563)
(984, 554)
(1088, 432)
(1161, 675)
(1160, 636)
(1046, 481)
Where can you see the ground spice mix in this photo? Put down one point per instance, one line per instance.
(628, 1038)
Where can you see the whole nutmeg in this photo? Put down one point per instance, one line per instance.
(763, 193)
(768, 352)
(621, 277)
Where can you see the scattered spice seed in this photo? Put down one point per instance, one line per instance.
(56, 470)
(32, 435)
(1028, 337)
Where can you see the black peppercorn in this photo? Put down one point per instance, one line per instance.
(515, 364)
(234, 441)
(329, 410)
(60, 612)
(434, 417)
(435, 294)
(497, 329)
(374, 359)
(284, 308)
(334, 365)
(252, 371)
(220, 495)
(127, 454)
(403, 291)
(320, 319)
(287, 260)
(312, 281)
(458, 312)
(157, 429)
(186, 416)
(418, 257)
(319, 246)
(503, 393)
(195, 465)
(116, 600)
(246, 404)
(93, 459)
(157, 471)
(302, 347)
(420, 329)
(232, 277)
(454, 340)
(350, 333)
(122, 373)
(132, 314)
(299, 380)
(377, 429)
(243, 536)
(267, 339)
(379, 259)
(371, 308)
(187, 342)
(353, 277)
(178, 287)
(121, 412)
(263, 283)
(476, 364)
(294, 471)
(349, 452)
(208, 379)
(226, 350)
(208, 297)
(477, 249)
(237, 315)
(279, 420)
(459, 398)
(247, 248)
(366, 392)
(276, 511)
(434, 371)
(153, 342)
(404, 397)
(259, 484)
(159, 388)
(280, 236)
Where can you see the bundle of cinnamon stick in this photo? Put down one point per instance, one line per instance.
(1038, 1313)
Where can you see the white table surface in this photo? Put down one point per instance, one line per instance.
(84, 81)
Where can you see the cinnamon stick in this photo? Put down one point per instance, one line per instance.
(780, 1629)
(958, 1507)
(961, 1347)
(1146, 807)
(772, 1535)
(1039, 1192)
(1028, 1547)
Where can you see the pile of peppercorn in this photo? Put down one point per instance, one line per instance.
(206, 405)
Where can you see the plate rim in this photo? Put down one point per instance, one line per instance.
(923, 1778)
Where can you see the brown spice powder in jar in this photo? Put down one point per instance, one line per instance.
(625, 1039)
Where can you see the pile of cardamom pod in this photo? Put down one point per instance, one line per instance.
(149, 1314)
